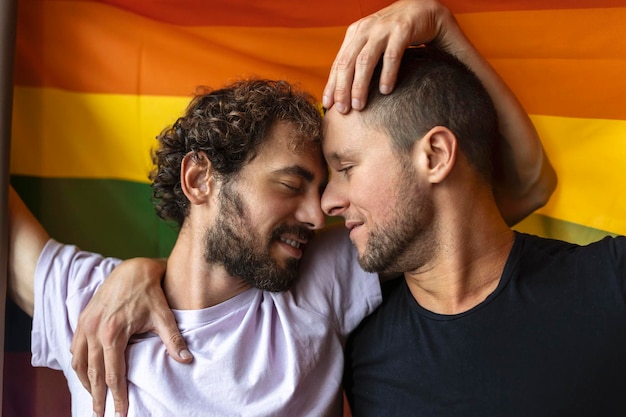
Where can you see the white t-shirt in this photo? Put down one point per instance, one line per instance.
(256, 354)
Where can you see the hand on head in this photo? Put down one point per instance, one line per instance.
(386, 33)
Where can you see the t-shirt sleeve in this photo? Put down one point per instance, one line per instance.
(332, 282)
(65, 280)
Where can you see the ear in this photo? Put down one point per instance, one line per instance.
(195, 177)
(437, 153)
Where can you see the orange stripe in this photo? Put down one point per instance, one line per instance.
(473, 6)
(290, 13)
(563, 62)
(572, 88)
(555, 67)
(96, 48)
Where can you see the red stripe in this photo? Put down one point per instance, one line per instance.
(256, 13)
(298, 13)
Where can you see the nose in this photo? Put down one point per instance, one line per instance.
(333, 201)
(310, 212)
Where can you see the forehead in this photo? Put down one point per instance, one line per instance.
(283, 147)
(347, 134)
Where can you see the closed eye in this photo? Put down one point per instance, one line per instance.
(346, 170)
(291, 187)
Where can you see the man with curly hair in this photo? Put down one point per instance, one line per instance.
(241, 173)
(235, 136)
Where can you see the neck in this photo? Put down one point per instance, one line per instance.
(468, 260)
(191, 283)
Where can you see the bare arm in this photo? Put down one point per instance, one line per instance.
(525, 178)
(26, 241)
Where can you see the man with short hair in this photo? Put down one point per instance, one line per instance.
(485, 321)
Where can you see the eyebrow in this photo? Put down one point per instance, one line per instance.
(340, 155)
(298, 171)
(303, 173)
(334, 156)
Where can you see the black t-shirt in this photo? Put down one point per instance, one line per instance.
(549, 341)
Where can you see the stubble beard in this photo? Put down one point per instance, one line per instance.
(233, 242)
(402, 242)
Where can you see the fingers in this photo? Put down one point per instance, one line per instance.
(79, 350)
(165, 326)
(329, 90)
(350, 77)
(391, 65)
(366, 61)
(338, 87)
(115, 377)
(386, 34)
(97, 383)
(88, 364)
(98, 358)
(107, 371)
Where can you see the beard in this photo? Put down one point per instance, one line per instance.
(232, 242)
(402, 242)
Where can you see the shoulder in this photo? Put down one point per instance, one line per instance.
(572, 262)
(528, 242)
(332, 283)
(611, 250)
(58, 260)
(613, 246)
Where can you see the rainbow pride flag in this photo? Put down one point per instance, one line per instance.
(96, 81)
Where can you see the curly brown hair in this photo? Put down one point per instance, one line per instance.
(228, 125)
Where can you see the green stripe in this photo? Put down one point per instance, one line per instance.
(112, 217)
(542, 225)
(116, 217)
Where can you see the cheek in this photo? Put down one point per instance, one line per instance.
(375, 193)
(271, 213)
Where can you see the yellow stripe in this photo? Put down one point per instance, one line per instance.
(63, 134)
(589, 157)
(110, 136)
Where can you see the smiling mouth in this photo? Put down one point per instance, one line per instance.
(351, 225)
(291, 242)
